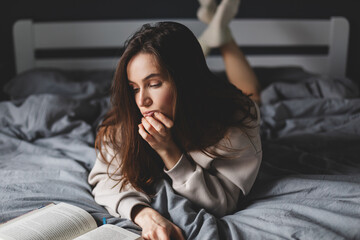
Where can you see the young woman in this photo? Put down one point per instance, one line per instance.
(171, 117)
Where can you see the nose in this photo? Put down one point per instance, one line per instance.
(144, 100)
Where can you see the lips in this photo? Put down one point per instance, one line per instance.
(148, 113)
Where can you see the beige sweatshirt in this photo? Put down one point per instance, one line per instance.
(213, 184)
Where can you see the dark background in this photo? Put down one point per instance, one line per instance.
(45, 10)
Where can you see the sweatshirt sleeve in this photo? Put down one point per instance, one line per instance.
(216, 184)
(107, 192)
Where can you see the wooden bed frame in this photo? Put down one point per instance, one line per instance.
(319, 46)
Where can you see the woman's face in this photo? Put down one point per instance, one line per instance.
(153, 90)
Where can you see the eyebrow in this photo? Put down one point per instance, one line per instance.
(148, 77)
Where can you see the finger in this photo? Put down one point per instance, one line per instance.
(164, 119)
(151, 235)
(148, 127)
(159, 127)
(147, 236)
(162, 235)
(147, 137)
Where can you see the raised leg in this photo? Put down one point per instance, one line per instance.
(218, 34)
(239, 71)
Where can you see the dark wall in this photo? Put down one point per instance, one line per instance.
(45, 10)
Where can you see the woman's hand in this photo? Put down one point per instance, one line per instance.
(156, 130)
(155, 226)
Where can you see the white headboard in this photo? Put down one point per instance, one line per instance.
(319, 46)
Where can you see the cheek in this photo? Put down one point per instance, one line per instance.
(168, 100)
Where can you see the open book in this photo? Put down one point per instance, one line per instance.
(61, 222)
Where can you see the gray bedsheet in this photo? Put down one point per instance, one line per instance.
(308, 186)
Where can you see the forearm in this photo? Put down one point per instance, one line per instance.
(217, 183)
(170, 156)
(107, 191)
(140, 213)
(212, 192)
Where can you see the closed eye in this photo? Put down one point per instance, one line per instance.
(155, 85)
(135, 90)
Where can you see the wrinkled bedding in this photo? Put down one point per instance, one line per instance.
(308, 185)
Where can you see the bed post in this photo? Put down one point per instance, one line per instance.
(339, 35)
(24, 45)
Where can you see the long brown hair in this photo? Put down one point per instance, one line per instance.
(206, 106)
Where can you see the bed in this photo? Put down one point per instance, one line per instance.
(308, 186)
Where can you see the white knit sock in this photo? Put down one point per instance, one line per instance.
(218, 32)
(205, 48)
(206, 10)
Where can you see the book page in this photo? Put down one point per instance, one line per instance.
(109, 232)
(59, 222)
(26, 215)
